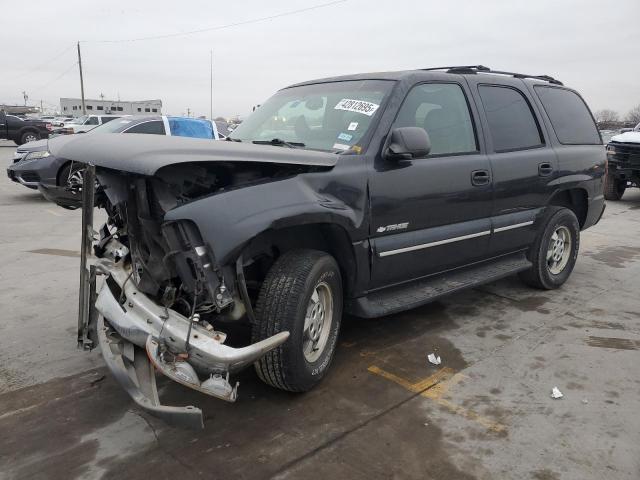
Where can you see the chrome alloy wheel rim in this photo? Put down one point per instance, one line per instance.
(30, 138)
(559, 250)
(75, 179)
(317, 322)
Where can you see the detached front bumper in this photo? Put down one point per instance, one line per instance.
(136, 317)
(136, 334)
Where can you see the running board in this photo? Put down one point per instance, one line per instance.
(415, 294)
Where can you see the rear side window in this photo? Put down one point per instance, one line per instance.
(511, 121)
(151, 128)
(569, 116)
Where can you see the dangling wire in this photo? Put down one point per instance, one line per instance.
(187, 346)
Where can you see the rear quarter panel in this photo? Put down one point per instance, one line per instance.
(579, 166)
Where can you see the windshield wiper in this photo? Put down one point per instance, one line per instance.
(279, 142)
(229, 139)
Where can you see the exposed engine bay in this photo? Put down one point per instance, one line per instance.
(165, 295)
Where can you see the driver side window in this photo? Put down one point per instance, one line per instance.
(91, 121)
(442, 110)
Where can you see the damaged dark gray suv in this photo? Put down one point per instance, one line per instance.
(366, 194)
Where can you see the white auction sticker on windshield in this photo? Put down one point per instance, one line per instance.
(357, 106)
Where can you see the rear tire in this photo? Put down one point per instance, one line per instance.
(555, 250)
(29, 137)
(614, 188)
(302, 294)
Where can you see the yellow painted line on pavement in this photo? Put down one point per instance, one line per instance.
(434, 387)
(53, 212)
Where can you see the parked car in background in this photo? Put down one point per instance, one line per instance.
(366, 194)
(60, 181)
(84, 123)
(23, 130)
(45, 118)
(60, 121)
(223, 129)
(623, 164)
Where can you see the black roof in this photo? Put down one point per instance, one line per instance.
(444, 71)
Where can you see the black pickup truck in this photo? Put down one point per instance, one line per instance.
(365, 194)
(22, 130)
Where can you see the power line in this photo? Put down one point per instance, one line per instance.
(221, 27)
(38, 67)
(57, 78)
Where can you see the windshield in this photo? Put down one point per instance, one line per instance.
(115, 126)
(332, 116)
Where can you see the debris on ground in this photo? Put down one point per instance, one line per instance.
(556, 393)
(585, 401)
(433, 358)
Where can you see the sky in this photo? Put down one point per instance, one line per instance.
(592, 46)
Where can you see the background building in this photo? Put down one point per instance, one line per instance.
(73, 106)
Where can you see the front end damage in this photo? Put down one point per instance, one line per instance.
(161, 298)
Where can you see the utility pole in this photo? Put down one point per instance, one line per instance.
(25, 96)
(84, 109)
(188, 112)
(41, 111)
(211, 88)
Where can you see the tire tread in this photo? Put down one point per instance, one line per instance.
(283, 286)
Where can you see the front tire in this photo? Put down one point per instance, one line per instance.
(302, 294)
(614, 188)
(71, 176)
(555, 250)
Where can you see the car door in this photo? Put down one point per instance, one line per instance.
(3, 124)
(13, 126)
(432, 214)
(523, 162)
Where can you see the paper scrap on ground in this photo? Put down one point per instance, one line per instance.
(433, 358)
(556, 393)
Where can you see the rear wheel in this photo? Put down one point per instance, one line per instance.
(614, 188)
(29, 137)
(554, 251)
(302, 294)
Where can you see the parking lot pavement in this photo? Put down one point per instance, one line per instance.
(383, 412)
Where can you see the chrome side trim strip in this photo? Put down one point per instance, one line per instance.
(433, 244)
(511, 227)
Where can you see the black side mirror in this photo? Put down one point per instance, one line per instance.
(406, 143)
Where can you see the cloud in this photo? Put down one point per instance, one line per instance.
(587, 44)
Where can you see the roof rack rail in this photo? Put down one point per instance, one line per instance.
(473, 69)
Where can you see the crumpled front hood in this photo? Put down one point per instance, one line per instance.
(146, 154)
(627, 137)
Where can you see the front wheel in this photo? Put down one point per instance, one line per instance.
(555, 250)
(614, 188)
(302, 294)
(71, 176)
